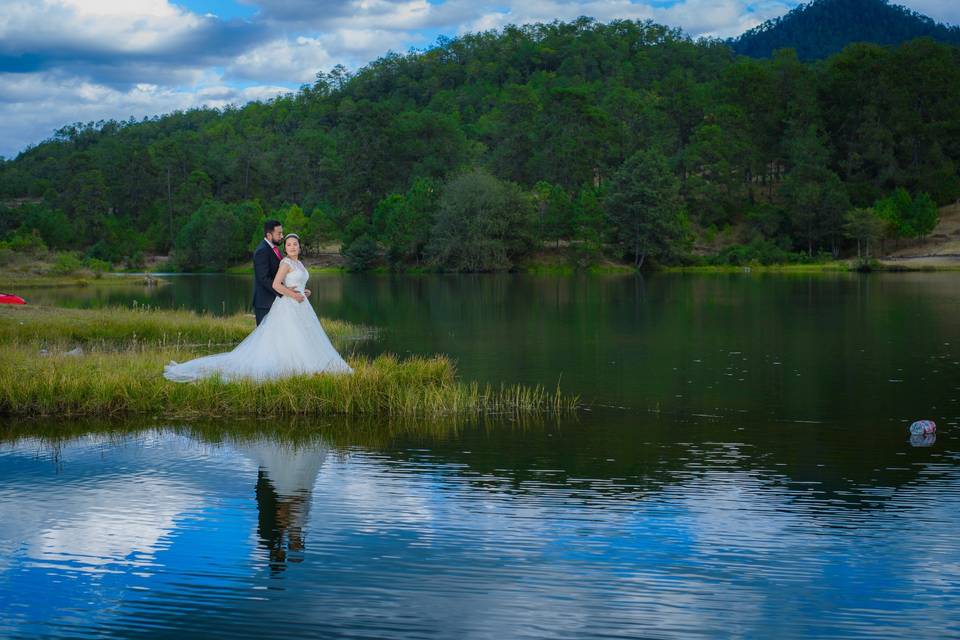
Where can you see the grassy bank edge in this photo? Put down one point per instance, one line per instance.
(131, 383)
(140, 327)
(119, 369)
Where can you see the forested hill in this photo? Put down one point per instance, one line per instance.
(619, 140)
(823, 27)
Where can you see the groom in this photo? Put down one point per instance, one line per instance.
(266, 262)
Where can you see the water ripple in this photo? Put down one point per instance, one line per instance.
(161, 533)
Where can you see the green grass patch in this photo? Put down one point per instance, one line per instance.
(812, 267)
(612, 269)
(550, 269)
(139, 328)
(12, 282)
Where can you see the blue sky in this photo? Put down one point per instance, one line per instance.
(64, 61)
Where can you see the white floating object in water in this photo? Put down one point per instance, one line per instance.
(923, 427)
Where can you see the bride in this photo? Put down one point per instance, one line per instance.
(289, 341)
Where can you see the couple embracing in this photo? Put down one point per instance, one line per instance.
(288, 339)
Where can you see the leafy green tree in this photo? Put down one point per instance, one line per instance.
(644, 206)
(589, 225)
(211, 239)
(894, 210)
(714, 185)
(361, 253)
(555, 212)
(590, 218)
(769, 220)
(53, 225)
(389, 217)
(293, 218)
(924, 215)
(321, 228)
(175, 154)
(865, 226)
(574, 134)
(906, 216)
(483, 224)
(510, 132)
(403, 221)
(814, 195)
(190, 194)
(89, 204)
(358, 226)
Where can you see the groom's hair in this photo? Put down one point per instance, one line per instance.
(270, 225)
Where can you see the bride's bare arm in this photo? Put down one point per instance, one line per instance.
(282, 290)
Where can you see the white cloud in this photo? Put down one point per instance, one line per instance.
(715, 18)
(295, 60)
(129, 26)
(947, 11)
(34, 105)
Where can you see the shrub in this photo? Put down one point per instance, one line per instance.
(66, 263)
(483, 224)
(758, 251)
(99, 267)
(361, 253)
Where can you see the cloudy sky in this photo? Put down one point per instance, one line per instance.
(64, 61)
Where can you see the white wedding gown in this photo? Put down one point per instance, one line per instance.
(289, 341)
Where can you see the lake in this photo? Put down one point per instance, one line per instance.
(742, 468)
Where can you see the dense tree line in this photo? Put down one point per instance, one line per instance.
(623, 140)
(822, 28)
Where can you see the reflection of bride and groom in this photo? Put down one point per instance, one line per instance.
(286, 474)
(288, 339)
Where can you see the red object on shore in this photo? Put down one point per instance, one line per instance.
(9, 298)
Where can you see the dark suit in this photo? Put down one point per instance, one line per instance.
(265, 266)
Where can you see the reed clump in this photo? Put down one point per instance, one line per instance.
(105, 383)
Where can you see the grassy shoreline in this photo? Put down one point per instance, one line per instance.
(339, 432)
(139, 328)
(131, 383)
(119, 373)
(11, 282)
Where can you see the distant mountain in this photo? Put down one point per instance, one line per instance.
(823, 27)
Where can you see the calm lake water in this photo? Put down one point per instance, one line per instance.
(743, 470)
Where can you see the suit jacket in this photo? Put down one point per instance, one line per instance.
(265, 266)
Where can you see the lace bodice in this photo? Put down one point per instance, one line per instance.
(297, 277)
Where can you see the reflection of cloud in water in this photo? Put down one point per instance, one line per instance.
(106, 523)
(119, 523)
(721, 547)
(428, 547)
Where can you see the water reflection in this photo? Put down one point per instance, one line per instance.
(659, 527)
(286, 474)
